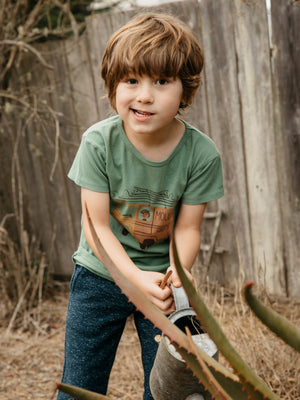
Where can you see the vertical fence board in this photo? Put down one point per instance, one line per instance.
(225, 129)
(285, 16)
(83, 93)
(71, 119)
(254, 74)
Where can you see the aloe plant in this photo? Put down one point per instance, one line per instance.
(243, 384)
(275, 322)
(80, 394)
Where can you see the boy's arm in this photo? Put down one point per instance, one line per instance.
(187, 237)
(148, 282)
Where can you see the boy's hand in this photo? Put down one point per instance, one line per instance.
(174, 277)
(149, 283)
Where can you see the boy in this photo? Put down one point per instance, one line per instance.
(140, 172)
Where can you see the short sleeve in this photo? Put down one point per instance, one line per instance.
(89, 166)
(205, 183)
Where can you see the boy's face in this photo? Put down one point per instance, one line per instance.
(148, 105)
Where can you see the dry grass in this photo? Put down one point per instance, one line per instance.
(274, 361)
(23, 270)
(31, 363)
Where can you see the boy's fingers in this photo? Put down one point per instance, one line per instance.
(176, 283)
(165, 279)
(175, 278)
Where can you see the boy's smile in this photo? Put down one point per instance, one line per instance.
(148, 105)
(142, 115)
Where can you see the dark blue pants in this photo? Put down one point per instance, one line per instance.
(96, 318)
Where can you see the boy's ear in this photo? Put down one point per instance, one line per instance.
(193, 93)
(187, 100)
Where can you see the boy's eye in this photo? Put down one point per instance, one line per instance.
(162, 81)
(131, 81)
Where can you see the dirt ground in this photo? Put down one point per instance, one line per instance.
(31, 362)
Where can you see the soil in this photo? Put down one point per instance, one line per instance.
(31, 360)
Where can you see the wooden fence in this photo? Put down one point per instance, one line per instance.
(248, 104)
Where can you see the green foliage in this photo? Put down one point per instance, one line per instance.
(218, 380)
(80, 394)
(275, 322)
(54, 17)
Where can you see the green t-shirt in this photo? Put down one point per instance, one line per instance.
(145, 196)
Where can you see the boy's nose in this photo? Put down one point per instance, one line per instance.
(145, 94)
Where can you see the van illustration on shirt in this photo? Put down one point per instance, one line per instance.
(147, 224)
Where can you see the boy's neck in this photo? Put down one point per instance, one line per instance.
(158, 146)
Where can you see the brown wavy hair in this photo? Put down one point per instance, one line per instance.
(157, 45)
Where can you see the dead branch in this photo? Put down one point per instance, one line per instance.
(13, 97)
(17, 308)
(2, 223)
(57, 138)
(66, 9)
(21, 44)
(36, 11)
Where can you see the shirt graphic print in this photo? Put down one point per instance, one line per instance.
(148, 224)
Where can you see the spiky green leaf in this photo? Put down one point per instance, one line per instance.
(79, 393)
(275, 322)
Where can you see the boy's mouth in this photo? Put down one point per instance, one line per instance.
(141, 113)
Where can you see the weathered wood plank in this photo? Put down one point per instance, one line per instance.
(285, 17)
(255, 90)
(225, 127)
